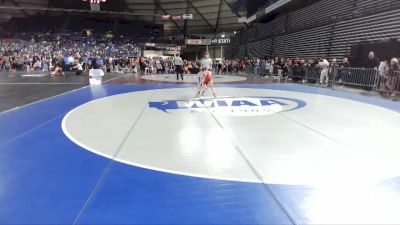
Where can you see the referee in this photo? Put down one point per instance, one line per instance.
(178, 66)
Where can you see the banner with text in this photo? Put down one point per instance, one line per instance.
(214, 41)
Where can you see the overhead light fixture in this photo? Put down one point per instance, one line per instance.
(223, 35)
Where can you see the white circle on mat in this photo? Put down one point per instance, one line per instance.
(329, 141)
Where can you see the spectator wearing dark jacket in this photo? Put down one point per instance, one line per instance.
(372, 61)
(94, 64)
(345, 63)
(343, 73)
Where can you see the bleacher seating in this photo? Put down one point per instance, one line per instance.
(326, 28)
(260, 48)
(274, 28)
(320, 13)
(305, 44)
(376, 27)
(363, 7)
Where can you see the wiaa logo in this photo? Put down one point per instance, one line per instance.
(233, 106)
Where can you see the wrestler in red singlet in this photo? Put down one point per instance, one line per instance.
(207, 77)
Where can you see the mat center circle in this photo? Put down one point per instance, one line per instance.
(252, 135)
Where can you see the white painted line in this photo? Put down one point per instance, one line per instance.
(1, 113)
(63, 126)
(35, 75)
(111, 157)
(38, 83)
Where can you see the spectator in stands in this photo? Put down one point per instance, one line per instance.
(236, 67)
(382, 68)
(344, 72)
(219, 66)
(304, 68)
(137, 65)
(286, 68)
(263, 67)
(94, 64)
(297, 70)
(157, 64)
(267, 68)
(324, 78)
(223, 67)
(372, 61)
(345, 63)
(393, 81)
(242, 65)
(280, 64)
(229, 66)
(383, 75)
(256, 63)
(297, 61)
(271, 67)
(333, 71)
(78, 67)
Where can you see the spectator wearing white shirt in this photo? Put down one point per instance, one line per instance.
(267, 68)
(206, 62)
(324, 65)
(78, 68)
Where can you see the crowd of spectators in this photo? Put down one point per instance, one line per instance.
(161, 65)
(44, 52)
(57, 52)
(283, 67)
(50, 52)
(382, 73)
(389, 76)
(229, 66)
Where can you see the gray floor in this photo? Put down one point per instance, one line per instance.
(21, 88)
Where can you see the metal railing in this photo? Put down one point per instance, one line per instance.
(308, 73)
(252, 69)
(356, 77)
(389, 83)
(367, 79)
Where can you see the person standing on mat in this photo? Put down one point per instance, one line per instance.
(206, 64)
(201, 91)
(178, 66)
